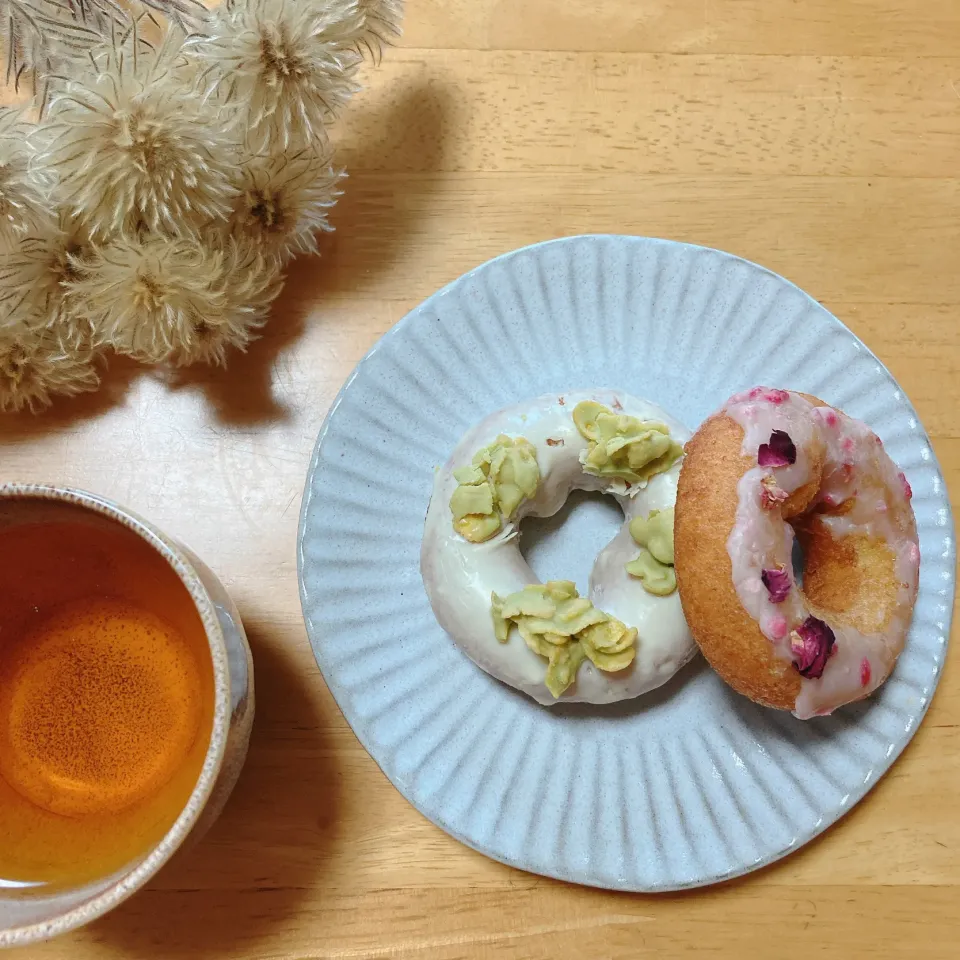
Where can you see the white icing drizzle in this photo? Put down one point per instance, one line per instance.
(460, 576)
(861, 479)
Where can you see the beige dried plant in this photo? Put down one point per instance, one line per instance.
(134, 146)
(35, 366)
(283, 200)
(152, 209)
(176, 301)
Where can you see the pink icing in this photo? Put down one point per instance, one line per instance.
(777, 627)
(857, 475)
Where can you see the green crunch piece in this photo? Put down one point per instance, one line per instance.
(610, 662)
(531, 601)
(509, 498)
(611, 646)
(476, 527)
(470, 474)
(559, 590)
(624, 447)
(610, 636)
(505, 473)
(563, 666)
(657, 578)
(573, 610)
(501, 626)
(535, 641)
(585, 418)
(471, 499)
(516, 464)
(655, 532)
(558, 624)
(662, 463)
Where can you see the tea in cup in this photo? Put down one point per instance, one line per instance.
(126, 700)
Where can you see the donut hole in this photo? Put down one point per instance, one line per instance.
(565, 546)
(853, 577)
(799, 561)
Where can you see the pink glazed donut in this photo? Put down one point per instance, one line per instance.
(772, 466)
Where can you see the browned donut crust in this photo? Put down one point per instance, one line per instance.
(704, 515)
(853, 578)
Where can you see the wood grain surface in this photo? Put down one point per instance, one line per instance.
(820, 138)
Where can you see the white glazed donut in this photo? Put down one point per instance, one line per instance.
(460, 576)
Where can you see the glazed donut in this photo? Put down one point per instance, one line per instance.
(771, 466)
(628, 635)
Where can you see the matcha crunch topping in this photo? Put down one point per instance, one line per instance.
(565, 628)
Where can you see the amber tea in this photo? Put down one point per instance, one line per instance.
(106, 696)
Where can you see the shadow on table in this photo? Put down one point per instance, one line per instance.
(390, 185)
(242, 392)
(372, 222)
(254, 869)
(65, 412)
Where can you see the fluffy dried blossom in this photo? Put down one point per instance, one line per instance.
(34, 278)
(129, 217)
(134, 147)
(285, 66)
(22, 206)
(34, 368)
(381, 24)
(283, 201)
(188, 16)
(40, 34)
(177, 301)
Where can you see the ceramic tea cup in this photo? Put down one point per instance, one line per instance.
(28, 914)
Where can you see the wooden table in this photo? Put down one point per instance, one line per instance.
(820, 138)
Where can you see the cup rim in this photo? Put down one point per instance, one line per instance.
(132, 880)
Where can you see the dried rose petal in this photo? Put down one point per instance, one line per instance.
(777, 583)
(771, 495)
(777, 396)
(755, 393)
(811, 644)
(907, 489)
(864, 672)
(779, 452)
(830, 417)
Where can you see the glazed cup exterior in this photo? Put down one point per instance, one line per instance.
(32, 918)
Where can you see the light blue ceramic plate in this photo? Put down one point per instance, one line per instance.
(688, 785)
